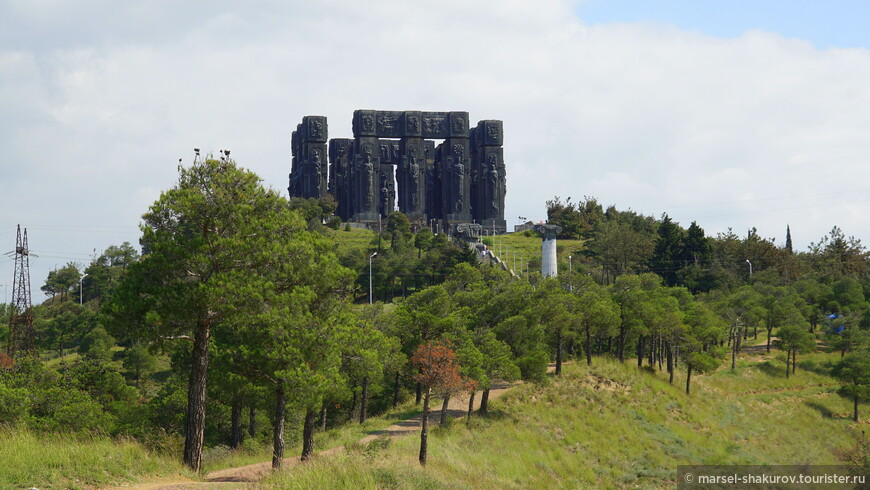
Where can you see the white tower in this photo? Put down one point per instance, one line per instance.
(549, 266)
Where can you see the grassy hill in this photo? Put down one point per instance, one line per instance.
(522, 251)
(613, 426)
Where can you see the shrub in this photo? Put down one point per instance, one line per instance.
(13, 404)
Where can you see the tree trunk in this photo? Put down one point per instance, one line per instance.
(688, 377)
(352, 403)
(308, 434)
(670, 354)
(444, 409)
(236, 423)
(418, 393)
(588, 346)
(640, 342)
(364, 400)
(769, 333)
(194, 429)
(558, 353)
(470, 405)
(252, 421)
(323, 413)
(484, 402)
(278, 429)
(424, 430)
(794, 361)
(620, 344)
(396, 386)
(787, 362)
(660, 352)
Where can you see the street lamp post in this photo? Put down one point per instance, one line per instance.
(81, 295)
(571, 273)
(370, 276)
(750, 267)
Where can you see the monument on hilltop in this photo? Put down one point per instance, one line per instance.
(393, 154)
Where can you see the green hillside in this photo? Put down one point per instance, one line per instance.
(613, 426)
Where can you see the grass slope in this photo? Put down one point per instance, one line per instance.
(521, 251)
(353, 240)
(611, 426)
(63, 461)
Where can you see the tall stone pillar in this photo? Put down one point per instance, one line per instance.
(456, 170)
(411, 170)
(549, 265)
(489, 175)
(309, 170)
(366, 166)
(433, 181)
(340, 175)
(293, 190)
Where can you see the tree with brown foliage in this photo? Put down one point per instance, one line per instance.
(438, 371)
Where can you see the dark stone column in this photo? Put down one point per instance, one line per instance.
(366, 166)
(386, 190)
(456, 180)
(433, 181)
(295, 171)
(309, 170)
(339, 175)
(411, 170)
(489, 173)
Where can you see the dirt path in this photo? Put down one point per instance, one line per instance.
(245, 476)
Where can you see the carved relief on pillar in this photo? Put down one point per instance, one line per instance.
(411, 177)
(368, 178)
(387, 190)
(455, 180)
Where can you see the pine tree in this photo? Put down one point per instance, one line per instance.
(668, 253)
(788, 239)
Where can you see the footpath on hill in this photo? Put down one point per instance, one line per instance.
(242, 476)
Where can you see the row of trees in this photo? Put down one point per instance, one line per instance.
(620, 242)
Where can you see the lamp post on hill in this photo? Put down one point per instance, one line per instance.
(370, 276)
(81, 295)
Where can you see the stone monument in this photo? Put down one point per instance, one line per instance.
(393, 154)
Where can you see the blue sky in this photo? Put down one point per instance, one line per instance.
(832, 23)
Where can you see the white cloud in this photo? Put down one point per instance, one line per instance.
(98, 103)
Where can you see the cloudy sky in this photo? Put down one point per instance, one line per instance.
(728, 113)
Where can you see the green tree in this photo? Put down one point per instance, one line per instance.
(854, 371)
(668, 255)
(139, 362)
(103, 274)
(217, 243)
(594, 311)
(780, 306)
(741, 309)
(700, 363)
(837, 255)
(62, 282)
(794, 338)
(97, 344)
(619, 247)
